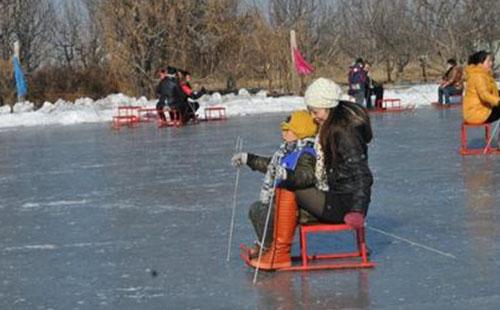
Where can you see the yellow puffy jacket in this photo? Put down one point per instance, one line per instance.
(481, 94)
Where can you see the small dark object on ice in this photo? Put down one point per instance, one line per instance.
(154, 273)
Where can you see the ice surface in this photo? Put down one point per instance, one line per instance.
(92, 218)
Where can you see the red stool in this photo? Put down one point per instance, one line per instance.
(464, 150)
(356, 259)
(215, 113)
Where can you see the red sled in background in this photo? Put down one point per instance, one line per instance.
(391, 105)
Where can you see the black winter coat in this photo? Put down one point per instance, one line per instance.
(300, 178)
(170, 93)
(349, 177)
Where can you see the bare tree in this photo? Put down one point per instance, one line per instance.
(135, 36)
(66, 33)
(30, 20)
(25, 21)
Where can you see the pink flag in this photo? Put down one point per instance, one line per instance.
(301, 65)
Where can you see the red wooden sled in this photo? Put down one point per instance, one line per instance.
(391, 105)
(126, 115)
(341, 260)
(215, 114)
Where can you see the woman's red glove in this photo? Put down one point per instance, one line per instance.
(354, 219)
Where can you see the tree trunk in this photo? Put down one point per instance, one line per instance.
(423, 65)
(230, 83)
(399, 72)
(388, 69)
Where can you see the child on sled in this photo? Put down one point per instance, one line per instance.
(292, 167)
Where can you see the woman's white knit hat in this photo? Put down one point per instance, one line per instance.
(324, 93)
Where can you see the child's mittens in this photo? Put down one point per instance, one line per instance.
(239, 159)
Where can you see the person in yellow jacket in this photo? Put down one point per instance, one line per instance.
(481, 102)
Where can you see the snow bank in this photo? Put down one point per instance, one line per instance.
(86, 110)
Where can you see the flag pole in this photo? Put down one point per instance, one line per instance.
(293, 46)
(16, 55)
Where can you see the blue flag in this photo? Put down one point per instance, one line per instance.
(22, 87)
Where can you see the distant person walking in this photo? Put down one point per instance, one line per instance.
(452, 82)
(481, 103)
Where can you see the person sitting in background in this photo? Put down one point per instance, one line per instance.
(190, 95)
(357, 81)
(290, 168)
(452, 82)
(372, 88)
(481, 103)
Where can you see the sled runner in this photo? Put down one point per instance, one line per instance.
(173, 118)
(441, 106)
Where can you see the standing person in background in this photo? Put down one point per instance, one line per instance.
(357, 81)
(481, 100)
(161, 92)
(343, 178)
(452, 82)
(372, 88)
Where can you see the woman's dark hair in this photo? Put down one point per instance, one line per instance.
(345, 116)
(478, 57)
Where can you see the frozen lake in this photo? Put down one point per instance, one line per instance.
(138, 219)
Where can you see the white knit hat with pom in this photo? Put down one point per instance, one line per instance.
(324, 93)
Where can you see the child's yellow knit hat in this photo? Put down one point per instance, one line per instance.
(302, 124)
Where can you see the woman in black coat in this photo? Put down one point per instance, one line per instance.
(343, 177)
